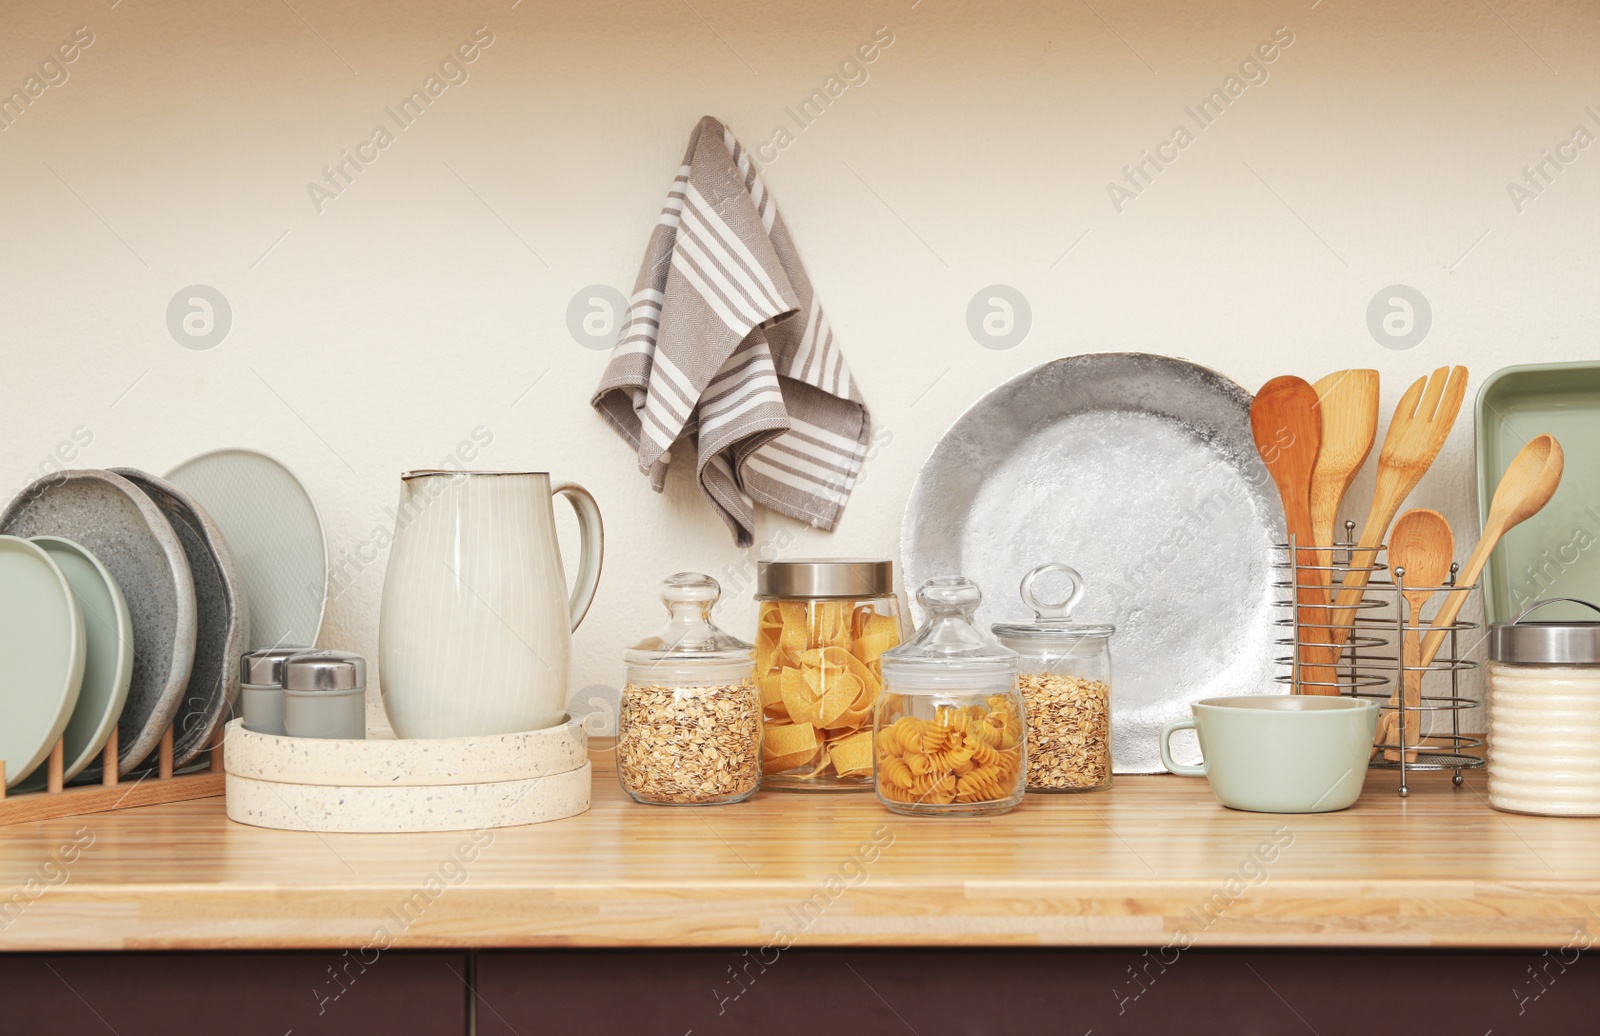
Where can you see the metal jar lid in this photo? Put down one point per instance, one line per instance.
(325, 671)
(1546, 643)
(264, 668)
(825, 577)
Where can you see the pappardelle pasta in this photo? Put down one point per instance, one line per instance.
(818, 668)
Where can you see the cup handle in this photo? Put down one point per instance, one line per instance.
(1166, 750)
(592, 544)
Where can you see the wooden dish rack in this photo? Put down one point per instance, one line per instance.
(112, 793)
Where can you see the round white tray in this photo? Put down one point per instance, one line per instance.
(446, 807)
(392, 763)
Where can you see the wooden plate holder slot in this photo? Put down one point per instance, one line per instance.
(112, 793)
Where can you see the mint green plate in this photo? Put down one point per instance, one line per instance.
(108, 656)
(41, 655)
(1556, 553)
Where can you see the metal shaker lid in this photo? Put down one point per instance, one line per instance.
(1547, 643)
(325, 671)
(264, 668)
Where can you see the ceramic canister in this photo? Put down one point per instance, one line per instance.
(1544, 716)
(325, 695)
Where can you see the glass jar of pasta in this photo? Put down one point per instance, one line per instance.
(689, 731)
(823, 626)
(950, 731)
(1065, 677)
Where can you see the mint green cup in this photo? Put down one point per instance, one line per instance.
(1282, 753)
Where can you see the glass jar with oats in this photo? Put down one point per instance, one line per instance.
(689, 732)
(823, 626)
(1065, 677)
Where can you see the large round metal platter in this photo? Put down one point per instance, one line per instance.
(1140, 472)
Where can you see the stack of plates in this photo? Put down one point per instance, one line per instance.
(419, 784)
(122, 606)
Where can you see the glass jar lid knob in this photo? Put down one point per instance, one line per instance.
(1061, 610)
(689, 632)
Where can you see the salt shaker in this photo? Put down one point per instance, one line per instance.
(261, 688)
(325, 696)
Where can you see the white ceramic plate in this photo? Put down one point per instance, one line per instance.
(41, 656)
(108, 656)
(275, 533)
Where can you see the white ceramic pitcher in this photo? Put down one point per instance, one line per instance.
(475, 635)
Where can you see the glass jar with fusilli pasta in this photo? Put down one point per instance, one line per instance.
(949, 734)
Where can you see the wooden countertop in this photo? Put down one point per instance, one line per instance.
(1148, 862)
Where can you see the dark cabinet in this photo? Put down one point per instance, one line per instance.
(1060, 992)
(241, 994)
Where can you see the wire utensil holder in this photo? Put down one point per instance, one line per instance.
(1371, 662)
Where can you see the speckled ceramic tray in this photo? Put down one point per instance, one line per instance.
(1140, 472)
(109, 516)
(419, 762)
(445, 807)
(222, 630)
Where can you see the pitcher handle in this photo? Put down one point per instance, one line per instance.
(592, 545)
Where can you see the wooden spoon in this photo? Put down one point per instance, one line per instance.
(1424, 546)
(1420, 426)
(1528, 484)
(1288, 433)
(1347, 402)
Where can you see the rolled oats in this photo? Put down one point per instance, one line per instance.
(1069, 731)
(689, 744)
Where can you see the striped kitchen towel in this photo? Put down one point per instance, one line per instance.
(726, 348)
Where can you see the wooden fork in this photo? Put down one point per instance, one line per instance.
(1420, 426)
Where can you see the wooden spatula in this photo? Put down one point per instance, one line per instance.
(1424, 546)
(1347, 402)
(1420, 426)
(1288, 433)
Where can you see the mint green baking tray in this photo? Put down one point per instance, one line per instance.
(1556, 553)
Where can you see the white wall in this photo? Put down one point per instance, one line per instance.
(418, 305)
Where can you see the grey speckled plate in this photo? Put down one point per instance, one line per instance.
(223, 624)
(108, 516)
(1140, 472)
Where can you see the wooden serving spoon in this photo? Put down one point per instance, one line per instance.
(1347, 402)
(1420, 426)
(1424, 546)
(1528, 484)
(1288, 434)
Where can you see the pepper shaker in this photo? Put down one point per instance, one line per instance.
(324, 696)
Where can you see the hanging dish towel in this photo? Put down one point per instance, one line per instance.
(727, 350)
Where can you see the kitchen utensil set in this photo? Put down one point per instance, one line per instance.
(1314, 441)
